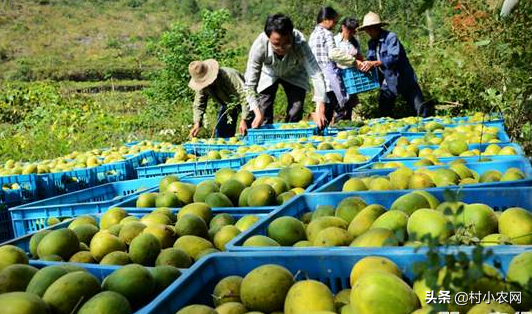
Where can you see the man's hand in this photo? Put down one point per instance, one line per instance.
(195, 130)
(243, 127)
(368, 65)
(259, 117)
(319, 115)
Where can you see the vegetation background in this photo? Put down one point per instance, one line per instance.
(83, 74)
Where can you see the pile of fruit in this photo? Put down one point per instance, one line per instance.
(377, 285)
(423, 178)
(230, 188)
(452, 148)
(66, 288)
(411, 220)
(304, 157)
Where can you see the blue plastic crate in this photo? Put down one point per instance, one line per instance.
(521, 163)
(200, 149)
(32, 217)
(481, 147)
(6, 228)
(23, 242)
(335, 169)
(356, 82)
(331, 268)
(53, 184)
(273, 133)
(497, 198)
(320, 178)
(193, 168)
(26, 193)
(333, 131)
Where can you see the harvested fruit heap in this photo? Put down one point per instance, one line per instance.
(133, 247)
(422, 178)
(377, 285)
(231, 188)
(413, 219)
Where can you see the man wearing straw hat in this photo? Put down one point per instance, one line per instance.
(387, 54)
(226, 87)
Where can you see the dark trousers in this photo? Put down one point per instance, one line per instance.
(413, 97)
(226, 122)
(334, 111)
(295, 97)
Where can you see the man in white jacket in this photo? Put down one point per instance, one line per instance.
(281, 56)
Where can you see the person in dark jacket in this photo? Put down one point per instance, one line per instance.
(387, 54)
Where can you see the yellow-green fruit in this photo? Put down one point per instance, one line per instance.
(364, 219)
(197, 309)
(481, 217)
(64, 295)
(304, 243)
(104, 243)
(223, 175)
(112, 217)
(44, 278)
(166, 181)
(146, 200)
(199, 209)
(260, 241)
(315, 226)
(308, 296)
(445, 177)
(183, 191)
(218, 199)
(354, 184)
(520, 269)
(409, 203)
(144, 249)
(452, 210)
(495, 239)
(116, 258)
(232, 188)
(34, 243)
(349, 208)
(493, 307)
(264, 289)
(134, 282)
(107, 302)
(192, 245)
(167, 199)
(373, 263)
(429, 223)
(130, 230)
(379, 184)
(285, 197)
(491, 176)
(433, 201)
(512, 174)
(376, 238)
(322, 211)
(190, 224)
(332, 236)
(82, 257)
(226, 234)
(420, 181)
(203, 189)
(261, 195)
(286, 230)
(165, 234)
(63, 242)
(221, 220)
(22, 303)
(456, 147)
(342, 298)
(10, 254)
(516, 223)
(231, 308)
(246, 222)
(173, 257)
(462, 171)
(81, 221)
(227, 290)
(85, 232)
(382, 293)
(16, 277)
(245, 177)
(300, 177)
(164, 276)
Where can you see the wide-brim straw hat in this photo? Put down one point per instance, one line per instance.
(202, 73)
(372, 19)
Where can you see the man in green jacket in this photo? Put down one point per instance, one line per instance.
(226, 87)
